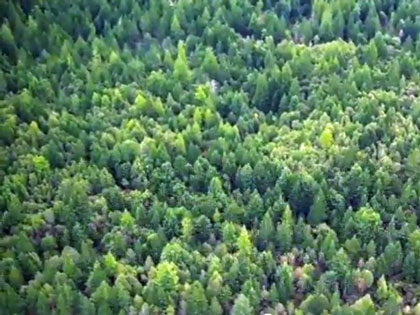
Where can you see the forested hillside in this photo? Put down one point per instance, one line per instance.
(206, 157)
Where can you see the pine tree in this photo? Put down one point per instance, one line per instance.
(318, 211)
(15, 277)
(326, 28)
(284, 233)
(244, 243)
(340, 263)
(65, 300)
(182, 72)
(86, 307)
(284, 277)
(329, 244)
(245, 178)
(372, 23)
(255, 207)
(242, 306)
(371, 54)
(368, 223)
(364, 306)
(210, 63)
(326, 138)
(197, 303)
(266, 230)
(7, 42)
(303, 193)
(261, 98)
(176, 29)
(338, 24)
(96, 277)
(315, 304)
(163, 288)
(306, 30)
(215, 307)
(42, 306)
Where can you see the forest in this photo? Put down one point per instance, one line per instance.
(208, 157)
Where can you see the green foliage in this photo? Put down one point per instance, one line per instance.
(209, 157)
(364, 306)
(164, 284)
(284, 282)
(368, 223)
(284, 233)
(340, 263)
(315, 304)
(241, 306)
(261, 96)
(318, 211)
(266, 230)
(303, 193)
(326, 138)
(196, 300)
(215, 307)
(7, 42)
(182, 73)
(244, 243)
(210, 63)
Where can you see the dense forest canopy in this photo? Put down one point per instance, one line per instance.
(209, 157)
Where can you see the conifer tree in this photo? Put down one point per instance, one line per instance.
(182, 72)
(241, 306)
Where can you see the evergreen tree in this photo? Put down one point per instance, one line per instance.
(315, 304)
(215, 307)
(182, 72)
(210, 64)
(7, 42)
(196, 299)
(326, 27)
(261, 98)
(176, 29)
(318, 211)
(284, 234)
(241, 306)
(266, 231)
